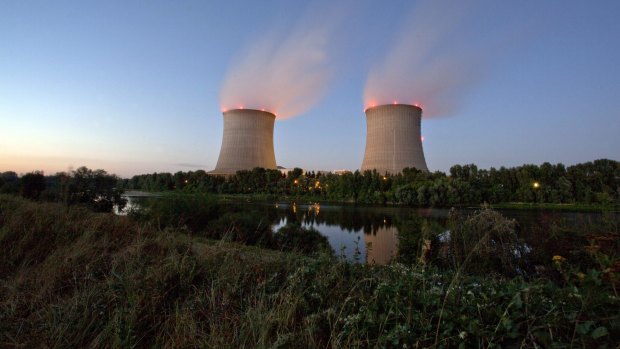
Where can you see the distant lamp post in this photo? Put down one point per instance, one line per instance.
(537, 193)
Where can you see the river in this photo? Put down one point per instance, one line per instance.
(371, 234)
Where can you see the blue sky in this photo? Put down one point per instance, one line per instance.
(133, 86)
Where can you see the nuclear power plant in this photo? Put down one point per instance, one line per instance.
(247, 142)
(393, 138)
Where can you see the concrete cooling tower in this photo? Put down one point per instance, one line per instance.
(393, 138)
(247, 141)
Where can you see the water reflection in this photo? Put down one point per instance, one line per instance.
(371, 234)
(382, 245)
(365, 234)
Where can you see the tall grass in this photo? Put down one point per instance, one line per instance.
(72, 278)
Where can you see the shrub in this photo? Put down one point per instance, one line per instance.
(293, 237)
(483, 242)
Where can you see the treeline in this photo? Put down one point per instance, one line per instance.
(93, 188)
(596, 182)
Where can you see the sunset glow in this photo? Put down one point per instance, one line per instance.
(144, 95)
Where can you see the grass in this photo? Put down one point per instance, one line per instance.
(73, 278)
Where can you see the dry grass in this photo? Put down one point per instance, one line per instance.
(73, 278)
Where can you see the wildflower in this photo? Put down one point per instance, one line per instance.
(558, 259)
(462, 335)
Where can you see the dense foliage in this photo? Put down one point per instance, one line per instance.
(596, 182)
(73, 278)
(207, 216)
(93, 188)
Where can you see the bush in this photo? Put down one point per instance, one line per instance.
(293, 237)
(483, 242)
(32, 185)
(175, 211)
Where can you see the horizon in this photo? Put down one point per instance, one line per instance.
(136, 89)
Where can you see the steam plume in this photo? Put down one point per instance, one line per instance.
(285, 75)
(430, 64)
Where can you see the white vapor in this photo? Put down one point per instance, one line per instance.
(430, 64)
(282, 74)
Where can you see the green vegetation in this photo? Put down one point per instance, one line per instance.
(96, 189)
(209, 217)
(70, 277)
(587, 186)
(593, 184)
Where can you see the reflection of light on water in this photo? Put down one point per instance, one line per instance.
(131, 205)
(342, 242)
(382, 246)
(316, 207)
(280, 223)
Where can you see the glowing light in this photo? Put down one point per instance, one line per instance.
(395, 102)
(422, 138)
(536, 184)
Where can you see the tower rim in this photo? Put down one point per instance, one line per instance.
(393, 105)
(251, 110)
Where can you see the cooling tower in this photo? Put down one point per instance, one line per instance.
(247, 141)
(393, 138)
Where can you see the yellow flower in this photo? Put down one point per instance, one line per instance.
(558, 259)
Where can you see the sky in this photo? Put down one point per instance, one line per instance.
(138, 87)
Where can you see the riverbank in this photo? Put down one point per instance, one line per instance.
(566, 207)
(73, 278)
(574, 207)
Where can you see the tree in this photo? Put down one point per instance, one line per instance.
(32, 185)
(96, 189)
